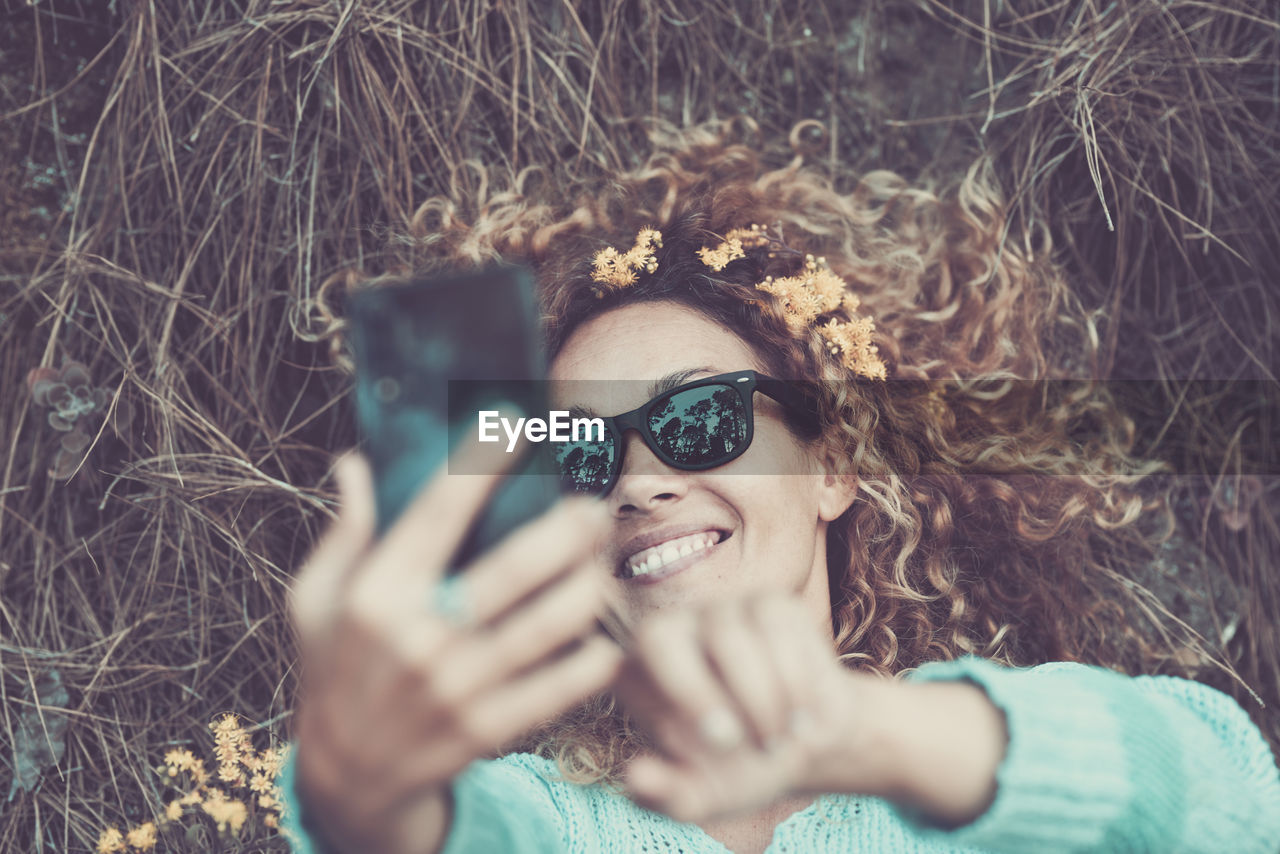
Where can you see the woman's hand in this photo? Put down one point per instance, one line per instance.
(741, 697)
(749, 705)
(398, 699)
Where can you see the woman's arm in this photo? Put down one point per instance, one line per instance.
(489, 807)
(1060, 757)
(1094, 760)
(934, 749)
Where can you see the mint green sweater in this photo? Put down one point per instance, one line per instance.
(1096, 761)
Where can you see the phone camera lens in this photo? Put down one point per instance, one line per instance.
(386, 389)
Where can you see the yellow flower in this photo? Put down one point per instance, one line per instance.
(143, 837)
(273, 760)
(173, 811)
(610, 267)
(734, 246)
(817, 290)
(717, 259)
(229, 773)
(180, 759)
(799, 304)
(228, 724)
(752, 236)
(110, 841)
(226, 812)
(270, 820)
(852, 343)
(829, 287)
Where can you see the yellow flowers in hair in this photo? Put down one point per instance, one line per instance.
(618, 270)
(805, 297)
(735, 244)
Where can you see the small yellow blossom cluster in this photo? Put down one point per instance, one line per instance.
(141, 838)
(816, 291)
(735, 244)
(813, 292)
(618, 270)
(239, 766)
(804, 297)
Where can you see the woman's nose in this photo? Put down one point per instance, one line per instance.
(645, 482)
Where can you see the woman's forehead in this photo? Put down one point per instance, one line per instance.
(612, 362)
(610, 397)
(647, 341)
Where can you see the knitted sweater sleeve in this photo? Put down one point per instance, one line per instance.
(497, 806)
(1099, 761)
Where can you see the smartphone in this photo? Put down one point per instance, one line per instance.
(431, 354)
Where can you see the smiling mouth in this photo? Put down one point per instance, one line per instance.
(674, 554)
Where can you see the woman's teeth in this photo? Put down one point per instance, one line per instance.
(654, 558)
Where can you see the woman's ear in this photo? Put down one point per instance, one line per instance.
(836, 495)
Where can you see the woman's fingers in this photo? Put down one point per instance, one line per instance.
(421, 542)
(564, 611)
(745, 661)
(803, 655)
(705, 787)
(532, 557)
(684, 792)
(540, 695)
(502, 582)
(669, 652)
(316, 591)
(770, 662)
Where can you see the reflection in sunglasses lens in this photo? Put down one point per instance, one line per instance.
(697, 428)
(584, 466)
(700, 426)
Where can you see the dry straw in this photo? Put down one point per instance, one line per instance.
(180, 178)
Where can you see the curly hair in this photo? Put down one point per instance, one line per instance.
(995, 516)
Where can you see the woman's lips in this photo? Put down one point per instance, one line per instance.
(667, 568)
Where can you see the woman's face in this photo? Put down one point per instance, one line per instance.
(766, 511)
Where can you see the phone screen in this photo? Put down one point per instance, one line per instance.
(431, 354)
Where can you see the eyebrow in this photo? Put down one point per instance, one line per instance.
(661, 386)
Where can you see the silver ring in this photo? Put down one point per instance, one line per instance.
(448, 600)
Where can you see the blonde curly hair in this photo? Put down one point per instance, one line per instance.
(996, 517)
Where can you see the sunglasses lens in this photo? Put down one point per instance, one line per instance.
(585, 466)
(700, 427)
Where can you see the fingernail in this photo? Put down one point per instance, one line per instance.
(720, 729)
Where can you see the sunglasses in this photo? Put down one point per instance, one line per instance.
(695, 426)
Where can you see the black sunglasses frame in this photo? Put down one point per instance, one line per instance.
(747, 383)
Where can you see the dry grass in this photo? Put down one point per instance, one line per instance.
(219, 160)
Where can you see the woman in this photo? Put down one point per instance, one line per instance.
(765, 582)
